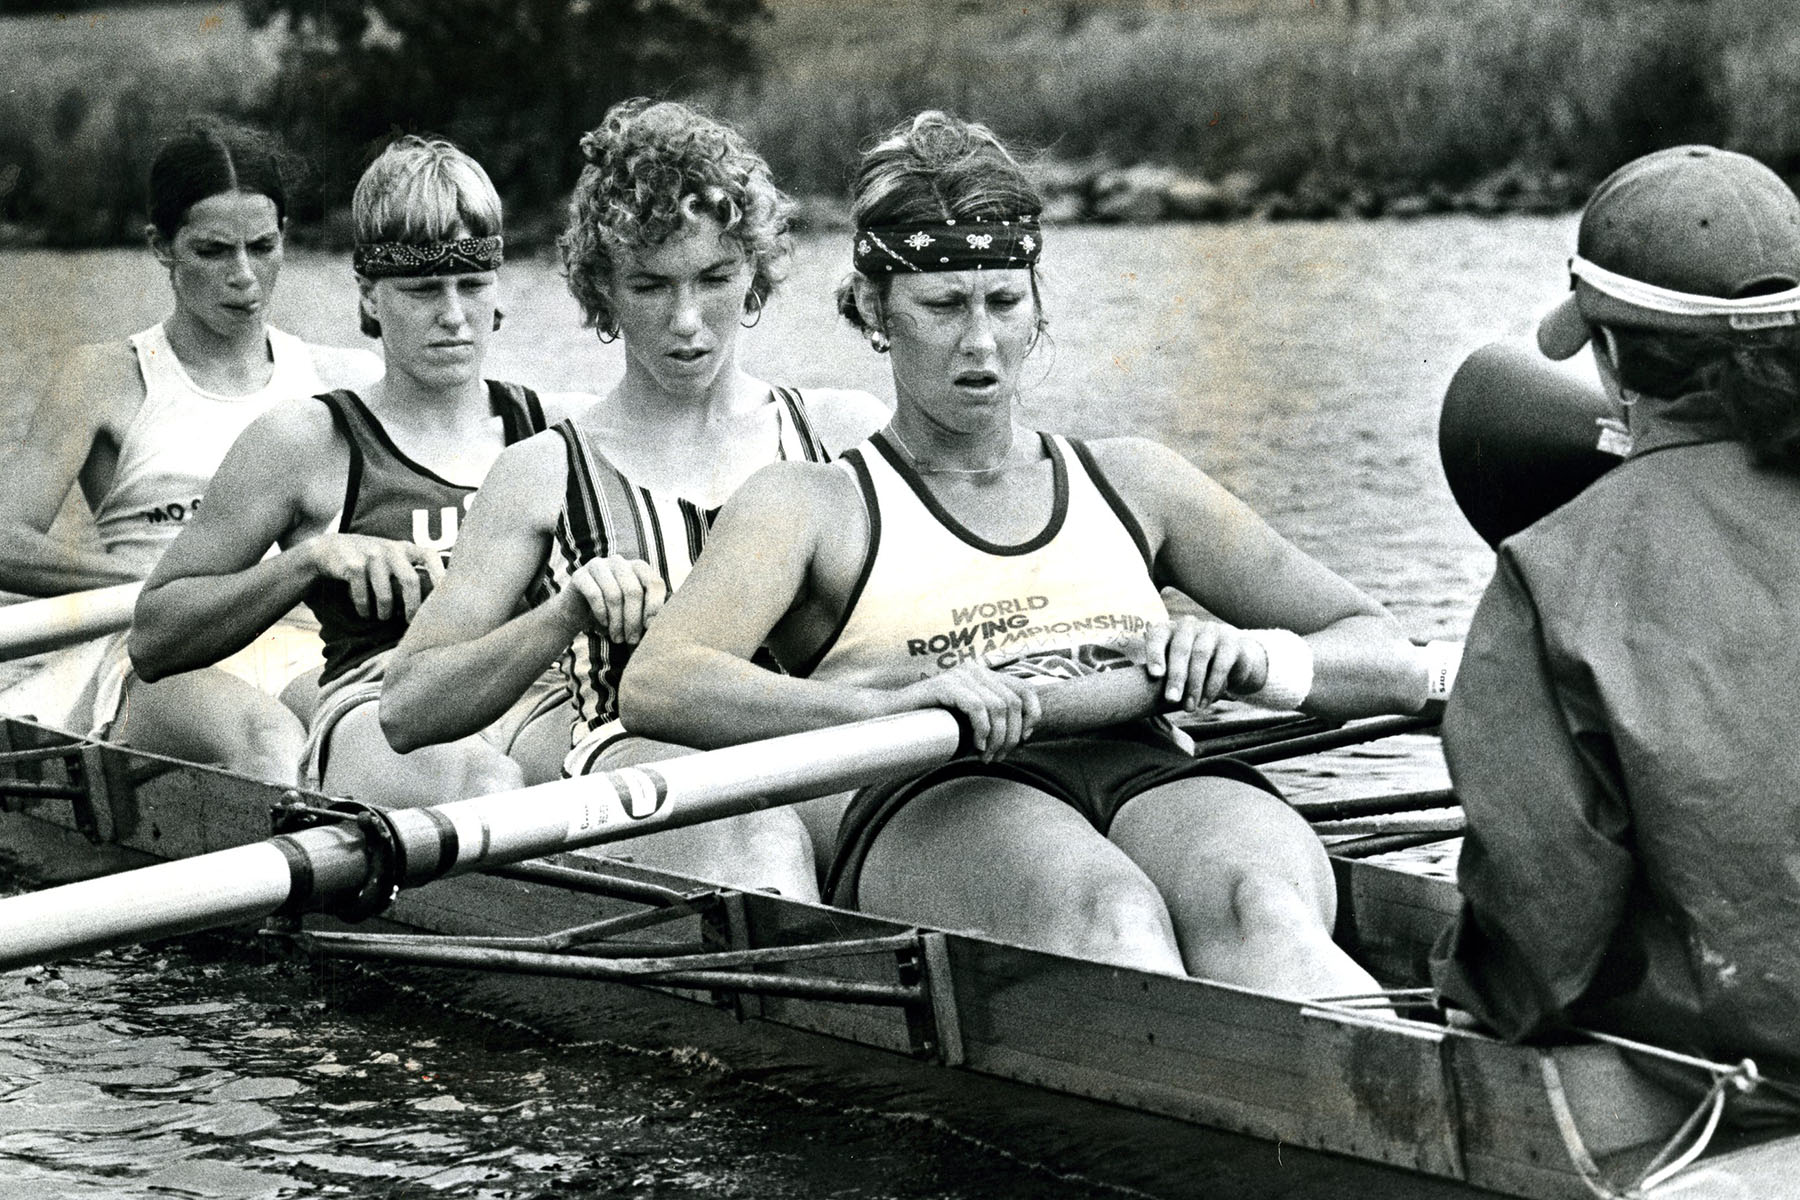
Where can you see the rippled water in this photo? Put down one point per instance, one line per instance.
(170, 1072)
(1300, 364)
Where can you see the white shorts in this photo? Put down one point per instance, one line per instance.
(80, 688)
(362, 685)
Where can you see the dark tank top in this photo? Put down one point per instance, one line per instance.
(388, 495)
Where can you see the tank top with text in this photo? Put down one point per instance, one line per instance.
(604, 513)
(1071, 600)
(178, 438)
(388, 495)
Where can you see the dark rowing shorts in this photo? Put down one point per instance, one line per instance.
(1094, 774)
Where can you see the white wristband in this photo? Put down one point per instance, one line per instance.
(1290, 676)
(1440, 660)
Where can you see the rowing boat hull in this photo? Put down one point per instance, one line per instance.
(1447, 1108)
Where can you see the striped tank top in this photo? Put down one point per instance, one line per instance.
(1073, 599)
(604, 513)
(388, 495)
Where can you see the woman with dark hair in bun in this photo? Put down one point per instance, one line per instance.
(959, 559)
(142, 424)
(677, 236)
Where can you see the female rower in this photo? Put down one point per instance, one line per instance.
(141, 424)
(1619, 736)
(364, 490)
(677, 236)
(959, 555)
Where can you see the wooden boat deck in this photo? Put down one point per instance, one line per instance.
(1450, 1110)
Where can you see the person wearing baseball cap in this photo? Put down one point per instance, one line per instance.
(1621, 733)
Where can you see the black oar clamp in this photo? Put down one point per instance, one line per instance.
(380, 847)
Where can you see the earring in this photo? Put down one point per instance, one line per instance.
(878, 341)
(608, 334)
(499, 320)
(755, 314)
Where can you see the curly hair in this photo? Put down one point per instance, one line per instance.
(1747, 383)
(935, 167)
(651, 168)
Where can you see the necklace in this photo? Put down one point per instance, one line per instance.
(893, 431)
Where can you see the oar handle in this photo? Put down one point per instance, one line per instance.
(1096, 701)
(35, 626)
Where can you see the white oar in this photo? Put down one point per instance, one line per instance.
(303, 869)
(34, 626)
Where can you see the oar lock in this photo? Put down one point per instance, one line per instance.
(382, 851)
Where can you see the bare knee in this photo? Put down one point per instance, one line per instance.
(1265, 907)
(486, 774)
(1120, 920)
(261, 740)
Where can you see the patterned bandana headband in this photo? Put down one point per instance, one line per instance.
(950, 245)
(387, 260)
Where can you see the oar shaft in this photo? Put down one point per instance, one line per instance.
(321, 864)
(35, 626)
(211, 890)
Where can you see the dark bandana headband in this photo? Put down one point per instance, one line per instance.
(386, 260)
(949, 245)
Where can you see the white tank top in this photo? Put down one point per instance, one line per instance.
(177, 440)
(1072, 600)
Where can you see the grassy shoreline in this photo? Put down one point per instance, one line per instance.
(1139, 109)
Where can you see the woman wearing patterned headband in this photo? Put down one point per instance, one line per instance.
(960, 557)
(142, 424)
(677, 236)
(363, 492)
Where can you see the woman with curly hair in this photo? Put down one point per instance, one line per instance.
(677, 236)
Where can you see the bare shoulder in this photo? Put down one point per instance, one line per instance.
(844, 417)
(94, 386)
(560, 406)
(295, 430)
(527, 482)
(796, 488)
(345, 367)
(1139, 463)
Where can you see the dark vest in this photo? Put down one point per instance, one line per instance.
(391, 496)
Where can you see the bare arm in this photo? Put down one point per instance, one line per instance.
(468, 640)
(1215, 548)
(213, 591)
(94, 385)
(785, 544)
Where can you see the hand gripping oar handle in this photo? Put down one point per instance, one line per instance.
(1519, 437)
(35, 626)
(314, 866)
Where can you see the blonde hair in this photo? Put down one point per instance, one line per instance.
(424, 190)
